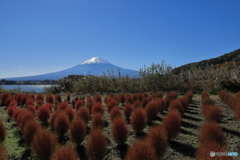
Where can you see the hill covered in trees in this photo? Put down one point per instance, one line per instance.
(231, 57)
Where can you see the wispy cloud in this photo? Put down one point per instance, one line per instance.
(20, 66)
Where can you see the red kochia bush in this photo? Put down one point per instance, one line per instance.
(97, 108)
(2, 132)
(96, 146)
(63, 105)
(141, 150)
(49, 98)
(10, 110)
(83, 113)
(127, 110)
(68, 98)
(53, 116)
(65, 152)
(211, 132)
(43, 113)
(23, 99)
(23, 117)
(158, 140)
(70, 113)
(122, 98)
(43, 144)
(58, 98)
(40, 97)
(213, 113)
(4, 97)
(111, 103)
(8, 101)
(97, 121)
(31, 127)
(153, 108)
(115, 112)
(204, 150)
(137, 104)
(98, 98)
(61, 123)
(172, 123)
(176, 104)
(138, 120)
(77, 131)
(18, 98)
(119, 131)
(79, 104)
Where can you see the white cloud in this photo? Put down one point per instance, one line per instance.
(20, 66)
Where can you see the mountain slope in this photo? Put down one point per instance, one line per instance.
(94, 66)
(233, 56)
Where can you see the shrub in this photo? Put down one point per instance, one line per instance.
(98, 98)
(8, 101)
(4, 97)
(141, 150)
(65, 152)
(122, 98)
(49, 98)
(111, 103)
(135, 97)
(119, 131)
(204, 150)
(77, 131)
(23, 117)
(152, 109)
(211, 132)
(70, 113)
(53, 116)
(68, 98)
(2, 132)
(73, 103)
(90, 105)
(213, 113)
(79, 104)
(97, 121)
(97, 108)
(61, 123)
(144, 102)
(10, 110)
(30, 101)
(31, 108)
(83, 113)
(158, 140)
(43, 144)
(13, 103)
(115, 112)
(96, 146)
(176, 105)
(138, 120)
(43, 114)
(23, 99)
(129, 99)
(3, 153)
(31, 127)
(184, 101)
(127, 110)
(18, 98)
(140, 97)
(58, 98)
(40, 97)
(63, 105)
(49, 106)
(137, 104)
(172, 123)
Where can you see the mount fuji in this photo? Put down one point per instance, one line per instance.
(94, 66)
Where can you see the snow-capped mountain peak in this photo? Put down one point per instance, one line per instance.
(95, 60)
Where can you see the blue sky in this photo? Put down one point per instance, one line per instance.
(44, 36)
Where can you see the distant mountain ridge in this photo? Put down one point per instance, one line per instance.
(233, 56)
(94, 66)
